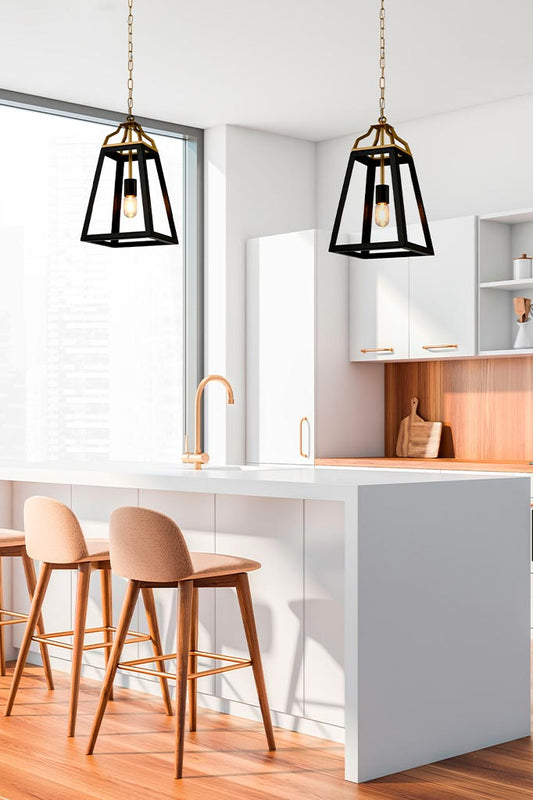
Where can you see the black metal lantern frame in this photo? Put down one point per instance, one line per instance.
(386, 150)
(135, 147)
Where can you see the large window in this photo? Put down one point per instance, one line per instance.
(96, 348)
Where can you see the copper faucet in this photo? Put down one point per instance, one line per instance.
(198, 457)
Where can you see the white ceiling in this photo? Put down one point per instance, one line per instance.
(305, 68)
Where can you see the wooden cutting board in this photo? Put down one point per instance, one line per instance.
(417, 438)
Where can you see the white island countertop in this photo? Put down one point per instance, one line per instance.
(304, 482)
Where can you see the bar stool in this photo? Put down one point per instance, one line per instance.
(12, 545)
(149, 549)
(54, 536)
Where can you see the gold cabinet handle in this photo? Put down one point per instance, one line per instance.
(304, 419)
(440, 346)
(377, 350)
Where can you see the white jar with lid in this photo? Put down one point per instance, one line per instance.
(522, 267)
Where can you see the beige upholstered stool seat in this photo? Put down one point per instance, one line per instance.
(210, 565)
(9, 538)
(97, 549)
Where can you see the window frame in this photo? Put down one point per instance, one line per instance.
(193, 219)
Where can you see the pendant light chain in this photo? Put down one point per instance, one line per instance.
(130, 60)
(382, 117)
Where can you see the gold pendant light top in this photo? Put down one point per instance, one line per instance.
(383, 133)
(132, 132)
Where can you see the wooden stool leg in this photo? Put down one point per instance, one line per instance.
(182, 660)
(248, 619)
(82, 599)
(153, 629)
(33, 617)
(2, 640)
(128, 607)
(31, 582)
(193, 662)
(107, 613)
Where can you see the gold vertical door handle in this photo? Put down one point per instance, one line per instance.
(304, 419)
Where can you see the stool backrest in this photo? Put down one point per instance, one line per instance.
(145, 545)
(52, 531)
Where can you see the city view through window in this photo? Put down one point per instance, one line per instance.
(91, 338)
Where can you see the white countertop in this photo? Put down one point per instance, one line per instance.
(307, 482)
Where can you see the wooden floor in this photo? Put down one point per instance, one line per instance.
(224, 760)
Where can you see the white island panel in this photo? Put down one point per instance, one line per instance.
(442, 661)
(269, 531)
(324, 611)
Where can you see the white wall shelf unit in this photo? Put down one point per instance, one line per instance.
(502, 237)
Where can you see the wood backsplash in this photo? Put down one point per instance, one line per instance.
(486, 405)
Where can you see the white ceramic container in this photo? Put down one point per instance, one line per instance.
(522, 267)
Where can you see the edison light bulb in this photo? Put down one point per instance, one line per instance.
(130, 206)
(382, 215)
(382, 211)
(130, 197)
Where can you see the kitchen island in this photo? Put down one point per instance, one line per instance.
(392, 608)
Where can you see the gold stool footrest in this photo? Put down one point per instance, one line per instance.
(18, 617)
(48, 638)
(235, 663)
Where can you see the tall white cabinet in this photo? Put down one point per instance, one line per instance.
(280, 421)
(304, 398)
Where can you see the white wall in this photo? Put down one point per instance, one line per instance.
(472, 161)
(256, 184)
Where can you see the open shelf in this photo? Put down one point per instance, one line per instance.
(502, 238)
(526, 284)
(522, 351)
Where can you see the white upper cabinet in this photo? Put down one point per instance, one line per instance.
(418, 307)
(379, 309)
(443, 291)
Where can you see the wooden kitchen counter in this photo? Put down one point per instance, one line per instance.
(427, 463)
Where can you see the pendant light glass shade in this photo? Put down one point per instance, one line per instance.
(381, 192)
(129, 204)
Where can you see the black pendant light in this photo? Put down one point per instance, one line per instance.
(380, 228)
(129, 150)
